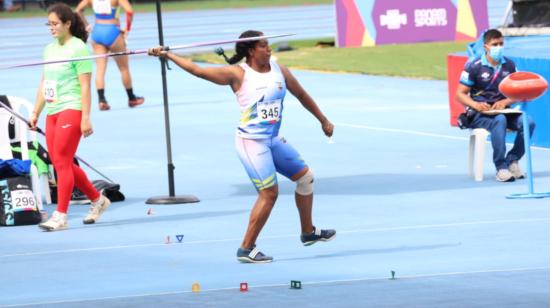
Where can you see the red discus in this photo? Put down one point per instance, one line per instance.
(523, 86)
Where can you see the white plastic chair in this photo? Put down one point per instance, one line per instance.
(476, 153)
(22, 135)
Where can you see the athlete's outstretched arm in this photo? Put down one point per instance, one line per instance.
(305, 99)
(226, 75)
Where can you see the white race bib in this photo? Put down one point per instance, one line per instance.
(23, 200)
(50, 90)
(102, 6)
(269, 111)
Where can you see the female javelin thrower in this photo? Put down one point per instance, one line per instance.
(108, 37)
(65, 90)
(260, 85)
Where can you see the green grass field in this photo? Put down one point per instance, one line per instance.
(424, 60)
(34, 11)
(223, 4)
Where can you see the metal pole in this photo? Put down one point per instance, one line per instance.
(171, 167)
(171, 198)
(504, 23)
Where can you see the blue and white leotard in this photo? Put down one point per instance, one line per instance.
(261, 150)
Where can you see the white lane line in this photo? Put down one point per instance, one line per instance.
(414, 132)
(319, 282)
(458, 224)
(394, 108)
(37, 253)
(388, 229)
(402, 131)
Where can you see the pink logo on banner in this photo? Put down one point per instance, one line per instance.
(399, 21)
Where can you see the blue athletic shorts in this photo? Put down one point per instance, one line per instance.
(105, 34)
(263, 158)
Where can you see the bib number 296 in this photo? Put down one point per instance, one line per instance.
(23, 200)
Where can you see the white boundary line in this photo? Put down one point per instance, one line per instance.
(458, 224)
(389, 229)
(320, 282)
(414, 132)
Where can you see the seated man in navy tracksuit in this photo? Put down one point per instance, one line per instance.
(478, 91)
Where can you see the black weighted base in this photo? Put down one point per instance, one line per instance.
(172, 199)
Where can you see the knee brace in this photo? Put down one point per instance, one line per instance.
(304, 185)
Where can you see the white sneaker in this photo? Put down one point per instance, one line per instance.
(57, 222)
(504, 175)
(515, 170)
(96, 209)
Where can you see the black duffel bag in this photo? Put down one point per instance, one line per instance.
(110, 190)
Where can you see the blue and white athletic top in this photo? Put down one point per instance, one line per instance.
(260, 100)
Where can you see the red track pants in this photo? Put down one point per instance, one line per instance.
(62, 138)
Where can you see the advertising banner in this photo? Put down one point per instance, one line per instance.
(373, 22)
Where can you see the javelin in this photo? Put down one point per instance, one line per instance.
(20, 117)
(143, 51)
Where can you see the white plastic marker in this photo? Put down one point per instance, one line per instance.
(144, 51)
